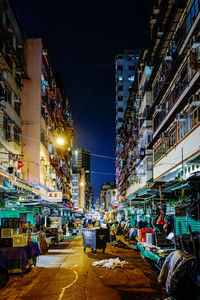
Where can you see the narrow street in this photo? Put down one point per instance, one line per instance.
(66, 272)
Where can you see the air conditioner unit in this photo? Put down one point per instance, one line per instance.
(181, 117)
(160, 33)
(9, 28)
(168, 57)
(138, 98)
(17, 99)
(156, 10)
(195, 42)
(11, 122)
(158, 108)
(44, 52)
(18, 71)
(6, 233)
(194, 100)
(19, 46)
(153, 20)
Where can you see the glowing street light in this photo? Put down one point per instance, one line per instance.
(60, 141)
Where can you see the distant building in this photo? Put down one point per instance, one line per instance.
(108, 196)
(78, 188)
(97, 204)
(89, 197)
(82, 160)
(125, 67)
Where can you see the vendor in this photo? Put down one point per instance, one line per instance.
(113, 233)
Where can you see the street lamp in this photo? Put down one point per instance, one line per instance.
(60, 141)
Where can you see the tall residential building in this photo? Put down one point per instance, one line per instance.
(159, 141)
(125, 67)
(47, 125)
(135, 158)
(12, 75)
(108, 196)
(82, 159)
(176, 93)
(78, 188)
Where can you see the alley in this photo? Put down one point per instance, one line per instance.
(66, 272)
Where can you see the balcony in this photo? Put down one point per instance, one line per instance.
(185, 84)
(44, 139)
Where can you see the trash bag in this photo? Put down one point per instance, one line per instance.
(178, 275)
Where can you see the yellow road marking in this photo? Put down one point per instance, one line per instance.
(66, 287)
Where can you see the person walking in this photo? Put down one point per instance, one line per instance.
(113, 233)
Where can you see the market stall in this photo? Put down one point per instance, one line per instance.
(21, 258)
(16, 244)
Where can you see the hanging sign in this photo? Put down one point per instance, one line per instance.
(54, 196)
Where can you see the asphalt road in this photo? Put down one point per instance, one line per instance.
(66, 273)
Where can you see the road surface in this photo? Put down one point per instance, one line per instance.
(66, 273)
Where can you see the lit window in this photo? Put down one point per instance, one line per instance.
(120, 78)
(131, 78)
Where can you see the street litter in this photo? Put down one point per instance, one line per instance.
(111, 263)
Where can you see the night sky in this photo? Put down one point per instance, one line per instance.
(83, 38)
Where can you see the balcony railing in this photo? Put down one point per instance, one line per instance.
(172, 97)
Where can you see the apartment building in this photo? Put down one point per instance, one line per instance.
(78, 188)
(140, 159)
(107, 196)
(12, 75)
(125, 66)
(159, 141)
(47, 124)
(175, 88)
(82, 160)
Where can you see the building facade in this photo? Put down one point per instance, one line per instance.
(107, 196)
(159, 139)
(175, 89)
(12, 74)
(78, 188)
(125, 67)
(47, 125)
(82, 160)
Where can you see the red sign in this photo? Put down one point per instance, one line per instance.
(20, 164)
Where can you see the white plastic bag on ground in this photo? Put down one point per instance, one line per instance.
(111, 263)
